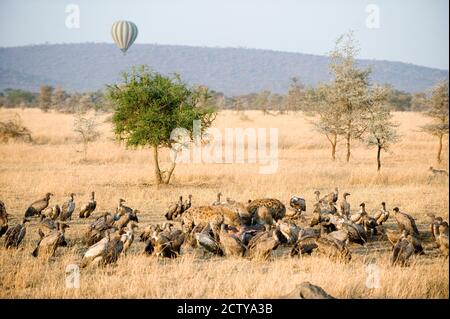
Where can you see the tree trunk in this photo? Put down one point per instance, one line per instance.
(170, 171)
(379, 158)
(157, 170)
(348, 137)
(439, 159)
(333, 147)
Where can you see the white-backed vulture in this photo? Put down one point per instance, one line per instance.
(345, 206)
(46, 225)
(128, 237)
(3, 219)
(38, 206)
(14, 235)
(88, 208)
(333, 248)
(402, 251)
(405, 222)
(48, 244)
(175, 210)
(68, 208)
(382, 215)
(232, 245)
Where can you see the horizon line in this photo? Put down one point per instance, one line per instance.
(220, 47)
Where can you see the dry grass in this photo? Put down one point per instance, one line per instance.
(27, 171)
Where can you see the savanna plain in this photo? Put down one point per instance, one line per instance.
(54, 163)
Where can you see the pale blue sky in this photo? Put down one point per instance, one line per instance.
(412, 31)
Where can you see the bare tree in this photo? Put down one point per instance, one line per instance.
(86, 127)
(438, 111)
(381, 130)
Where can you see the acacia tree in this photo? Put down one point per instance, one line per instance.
(349, 90)
(438, 111)
(86, 127)
(381, 130)
(45, 97)
(329, 118)
(295, 98)
(149, 106)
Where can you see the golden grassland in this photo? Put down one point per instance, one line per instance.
(55, 163)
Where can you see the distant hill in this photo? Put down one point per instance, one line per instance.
(90, 66)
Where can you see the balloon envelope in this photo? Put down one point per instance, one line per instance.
(124, 33)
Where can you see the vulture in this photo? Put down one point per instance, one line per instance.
(187, 204)
(232, 245)
(405, 222)
(113, 249)
(356, 233)
(316, 216)
(330, 198)
(246, 233)
(217, 201)
(298, 204)
(333, 248)
(52, 212)
(345, 206)
(341, 235)
(38, 206)
(358, 218)
(68, 208)
(122, 209)
(441, 234)
(176, 237)
(304, 244)
(175, 210)
(382, 215)
(290, 231)
(402, 251)
(162, 246)
(98, 229)
(306, 290)
(128, 237)
(148, 232)
(94, 253)
(49, 243)
(88, 208)
(126, 218)
(3, 219)
(46, 225)
(207, 241)
(15, 235)
(262, 244)
(317, 193)
(393, 236)
(435, 222)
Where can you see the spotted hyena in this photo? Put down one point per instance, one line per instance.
(201, 216)
(266, 210)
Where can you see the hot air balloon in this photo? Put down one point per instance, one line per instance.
(124, 33)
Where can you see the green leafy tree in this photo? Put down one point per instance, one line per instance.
(148, 106)
(438, 112)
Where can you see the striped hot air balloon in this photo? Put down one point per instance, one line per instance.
(124, 33)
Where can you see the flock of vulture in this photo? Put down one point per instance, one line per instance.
(226, 228)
